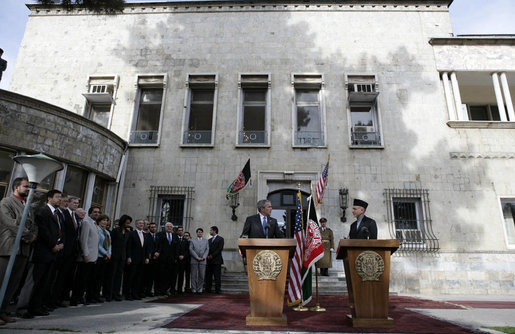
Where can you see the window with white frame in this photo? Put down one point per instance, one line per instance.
(362, 108)
(254, 109)
(100, 99)
(308, 110)
(149, 110)
(508, 212)
(409, 219)
(200, 109)
(479, 96)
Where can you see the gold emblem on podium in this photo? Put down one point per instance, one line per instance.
(267, 265)
(369, 266)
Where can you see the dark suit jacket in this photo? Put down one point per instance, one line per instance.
(367, 223)
(48, 234)
(184, 250)
(152, 243)
(215, 250)
(71, 234)
(253, 228)
(119, 244)
(168, 252)
(135, 251)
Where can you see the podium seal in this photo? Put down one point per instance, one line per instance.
(267, 265)
(369, 266)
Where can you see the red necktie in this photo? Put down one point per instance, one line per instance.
(74, 220)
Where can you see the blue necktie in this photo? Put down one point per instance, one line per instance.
(264, 224)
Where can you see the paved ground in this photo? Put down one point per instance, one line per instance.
(473, 317)
(140, 317)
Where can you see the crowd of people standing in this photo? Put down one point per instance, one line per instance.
(69, 256)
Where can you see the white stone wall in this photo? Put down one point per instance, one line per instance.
(478, 57)
(454, 273)
(60, 51)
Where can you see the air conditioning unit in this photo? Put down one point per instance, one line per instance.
(365, 138)
(363, 88)
(362, 128)
(100, 93)
(101, 89)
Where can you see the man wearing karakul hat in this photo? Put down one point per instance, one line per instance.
(363, 227)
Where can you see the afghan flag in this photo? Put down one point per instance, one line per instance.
(241, 181)
(313, 251)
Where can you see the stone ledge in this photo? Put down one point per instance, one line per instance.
(474, 40)
(481, 125)
(477, 155)
(242, 5)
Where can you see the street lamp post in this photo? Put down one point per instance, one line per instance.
(37, 167)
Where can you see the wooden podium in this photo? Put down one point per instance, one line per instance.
(367, 271)
(267, 266)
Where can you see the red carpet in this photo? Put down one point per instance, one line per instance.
(228, 311)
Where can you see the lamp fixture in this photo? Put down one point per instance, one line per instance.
(234, 203)
(344, 202)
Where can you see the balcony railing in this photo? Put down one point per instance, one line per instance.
(366, 138)
(197, 137)
(252, 137)
(309, 138)
(143, 137)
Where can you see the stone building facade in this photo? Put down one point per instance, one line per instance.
(411, 117)
(91, 154)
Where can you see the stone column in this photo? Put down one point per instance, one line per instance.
(507, 96)
(60, 178)
(498, 97)
(88, 194)
(448, 97)
(462, 114)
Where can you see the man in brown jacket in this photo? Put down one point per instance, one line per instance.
(328, 239)
(11, 211)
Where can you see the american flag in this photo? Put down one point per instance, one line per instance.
(321, 185)
(295, 281)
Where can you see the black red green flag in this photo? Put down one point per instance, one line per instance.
(241, 181)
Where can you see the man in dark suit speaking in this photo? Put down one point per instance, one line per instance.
(262, 225)
(363, 227)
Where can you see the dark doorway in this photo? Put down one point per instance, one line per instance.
(284, 204)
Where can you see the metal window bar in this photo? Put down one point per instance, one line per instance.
(184, 193)
(420, 239)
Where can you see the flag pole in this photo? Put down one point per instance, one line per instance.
(300, 307)
(317, 308)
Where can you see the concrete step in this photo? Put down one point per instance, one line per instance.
(334, 284)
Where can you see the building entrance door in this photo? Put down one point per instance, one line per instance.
(284, 208)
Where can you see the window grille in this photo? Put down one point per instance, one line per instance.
(409, 220)
(171, 203)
